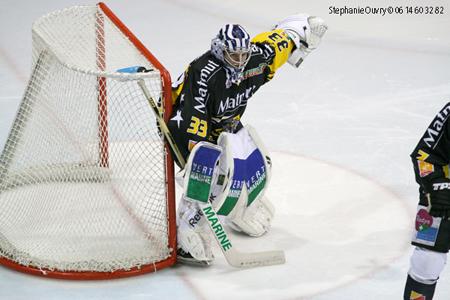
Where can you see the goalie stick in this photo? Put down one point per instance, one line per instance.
(234, 257)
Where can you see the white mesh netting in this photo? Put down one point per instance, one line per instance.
(82, 174)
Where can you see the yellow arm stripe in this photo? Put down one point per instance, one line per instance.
(280, 43)
(176, 92)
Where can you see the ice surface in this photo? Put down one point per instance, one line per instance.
(340, 128)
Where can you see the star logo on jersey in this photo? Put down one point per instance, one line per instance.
(177, 118)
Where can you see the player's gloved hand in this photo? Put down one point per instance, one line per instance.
(306, 32)
(439, 199)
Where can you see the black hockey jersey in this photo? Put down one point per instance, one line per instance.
(207, 103)
(432, 154)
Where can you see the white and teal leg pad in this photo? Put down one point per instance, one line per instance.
(245, 206)
(200, 172)
(207, 181)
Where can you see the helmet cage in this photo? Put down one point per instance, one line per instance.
(237, 57)
(232, 46)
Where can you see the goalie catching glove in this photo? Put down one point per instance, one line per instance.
(306, 33)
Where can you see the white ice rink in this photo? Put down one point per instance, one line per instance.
(340, 128)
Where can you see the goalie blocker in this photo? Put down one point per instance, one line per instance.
(233, 176)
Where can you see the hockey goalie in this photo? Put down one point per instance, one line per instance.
(227, 164)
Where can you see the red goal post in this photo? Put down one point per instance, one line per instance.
(167, 96)
(119, 190)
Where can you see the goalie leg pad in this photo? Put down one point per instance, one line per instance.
(254, 220)
(194, 239)
(193, 236)
(245, 206)
(201, 171)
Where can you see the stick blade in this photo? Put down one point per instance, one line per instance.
(256, 259)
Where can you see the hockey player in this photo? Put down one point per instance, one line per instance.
(226, 161)
(431, 159)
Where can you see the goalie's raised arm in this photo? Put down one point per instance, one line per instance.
(276, 47)
(306, 32)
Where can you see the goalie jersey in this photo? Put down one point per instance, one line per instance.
(206, 102)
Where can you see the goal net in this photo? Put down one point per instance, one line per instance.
(86, 183)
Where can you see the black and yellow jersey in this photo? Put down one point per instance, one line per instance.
(207, 103)
(431, 156)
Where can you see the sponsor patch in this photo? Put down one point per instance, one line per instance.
(425, 168)
(256, 175)
(237, 184)
(423, 220)
(416, 296)
(201, 173)
(191, 144)
(202, 93)
(441, 186)
(249, 172)
(255, 71)
(229, 106)
(427, 228)
(434, 131)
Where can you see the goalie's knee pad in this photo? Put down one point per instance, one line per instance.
(426, 265)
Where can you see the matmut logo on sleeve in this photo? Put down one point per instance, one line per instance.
(434, 130)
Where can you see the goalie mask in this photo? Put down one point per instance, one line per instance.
(232, 46)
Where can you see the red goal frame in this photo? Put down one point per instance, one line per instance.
(170, 183)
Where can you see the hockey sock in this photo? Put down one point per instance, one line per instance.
(415, 290)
